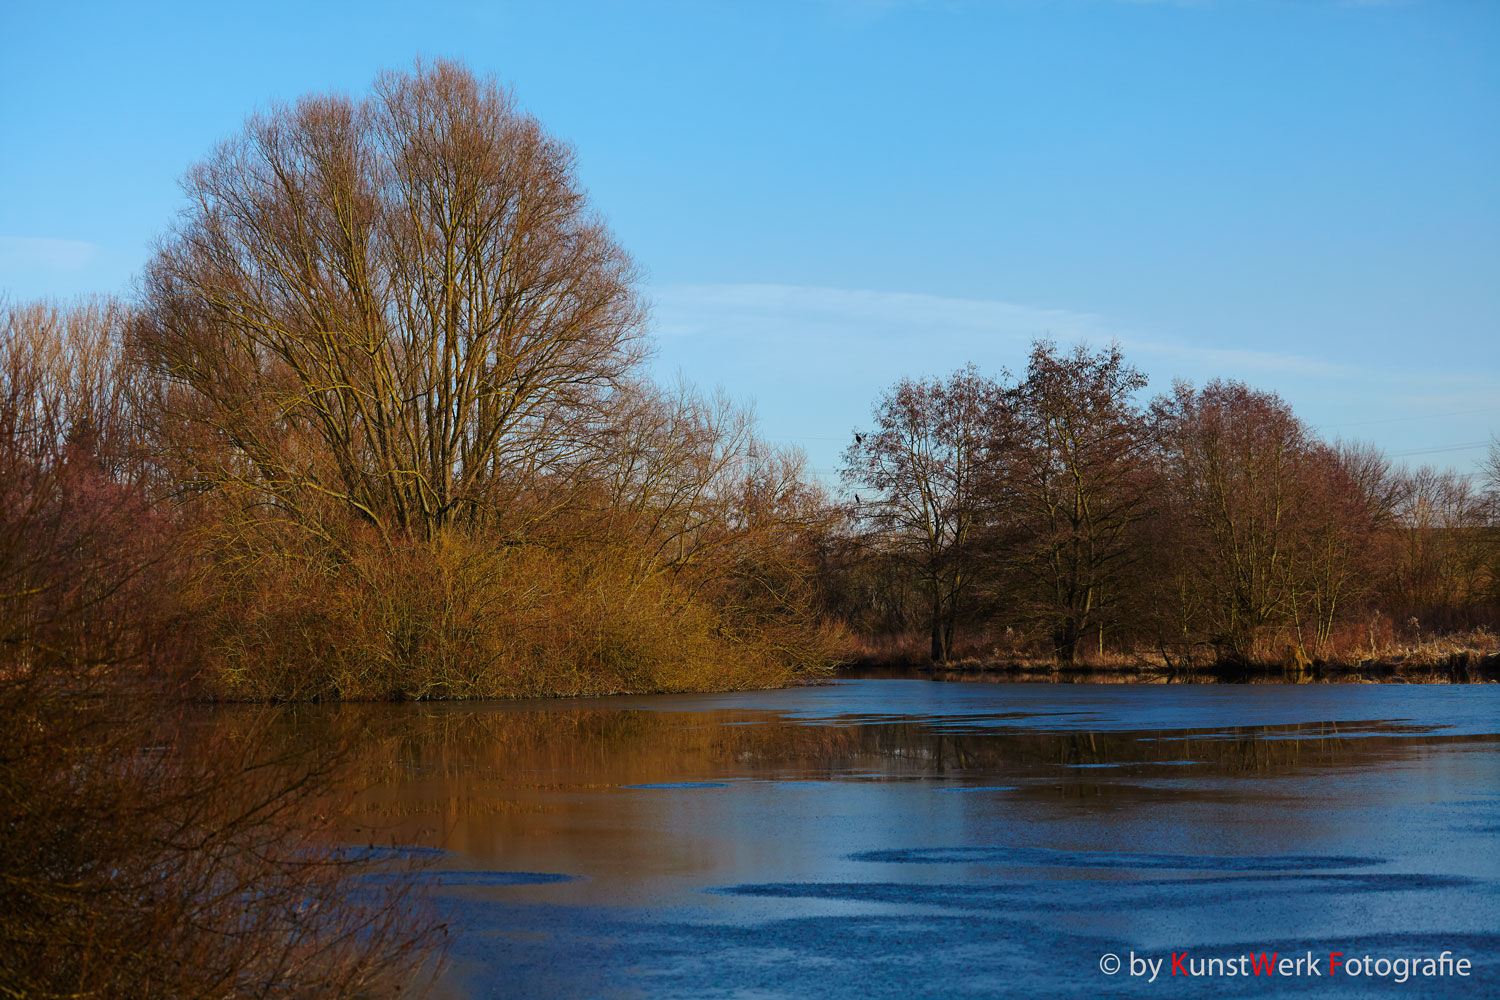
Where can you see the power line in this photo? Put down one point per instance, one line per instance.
(1434, 451)
(1420, 416)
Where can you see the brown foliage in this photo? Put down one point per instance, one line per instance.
(139, 856)
(1271, 529)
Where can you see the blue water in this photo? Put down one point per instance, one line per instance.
(804, 843)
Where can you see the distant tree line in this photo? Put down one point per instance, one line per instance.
(1060, 511)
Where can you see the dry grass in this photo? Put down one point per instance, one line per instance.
(1470, 656)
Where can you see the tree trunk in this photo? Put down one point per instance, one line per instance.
(1065, 640)
(939, 632)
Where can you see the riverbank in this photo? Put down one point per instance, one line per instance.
(1464, 658)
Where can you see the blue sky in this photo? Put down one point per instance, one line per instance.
(830, 194)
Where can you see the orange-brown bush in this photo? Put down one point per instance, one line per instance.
(463, 618)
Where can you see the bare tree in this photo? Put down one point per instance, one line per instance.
(68, 380)
(1235, 457)
(926, 475)
(401, 305)
(1347, 499)
(1492, 473)
(666, 465)
(1442, 562)
(139, 855)
(1076, 483)
(686, 491)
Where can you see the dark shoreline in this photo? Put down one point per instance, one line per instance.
(1458, 668)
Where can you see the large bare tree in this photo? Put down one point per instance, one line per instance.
(1076, 485)
(1258, 509)
(400, 305)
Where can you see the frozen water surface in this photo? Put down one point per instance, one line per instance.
(798, 843)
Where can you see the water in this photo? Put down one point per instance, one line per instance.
(875, 838)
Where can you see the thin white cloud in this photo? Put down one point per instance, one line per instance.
(48, 254)
(1237, 360)
(815, 358)
(866, 330)
(843, 305)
